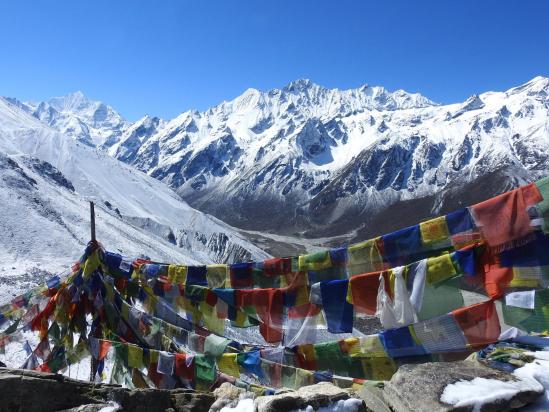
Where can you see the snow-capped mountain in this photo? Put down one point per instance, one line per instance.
(326, 162)
(88, 121)
(47, 180)
(322, 162)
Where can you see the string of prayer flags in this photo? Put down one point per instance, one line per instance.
(412, 279)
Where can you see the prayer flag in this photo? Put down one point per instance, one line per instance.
(504, 219)
(135, 356)
(434, 230)
(339, 313)
(227, 364)
(479, 323)
(166, 363)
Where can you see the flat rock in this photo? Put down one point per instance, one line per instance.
(322, 394)
(318, 395)
(284, 402)
(416, 388)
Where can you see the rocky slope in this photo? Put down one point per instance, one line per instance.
(47, 180)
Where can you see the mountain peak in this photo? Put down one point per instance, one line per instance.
(299, 85)
(537, 85)
(70, 102)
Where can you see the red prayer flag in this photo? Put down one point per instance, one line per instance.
(479, 323)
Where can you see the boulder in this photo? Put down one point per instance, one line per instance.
(322, 394)
(419, 387)
(190, 401)
(284, 402)
(228, 391)
(228, 395)
(372, 397)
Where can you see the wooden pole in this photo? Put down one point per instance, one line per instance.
(93, 363)
(92, 221)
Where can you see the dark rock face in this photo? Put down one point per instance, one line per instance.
(49, 172)
(28, 391)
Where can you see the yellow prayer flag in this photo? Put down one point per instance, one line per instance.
(352, 346)
(315, 261)
(135, 356)
(257, 390)
(171, 273)
(212, 322)
(91, 264)
(177, 274)
(227, 364)
(440, 268)
(303, 377)
(371, 346)
(527, 277)
(307, 352)
(216, 275)
(302, 296)
(434, 230)
(365, 257)
(378, 368)
(153, 356)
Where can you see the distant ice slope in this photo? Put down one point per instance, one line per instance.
(46, 181)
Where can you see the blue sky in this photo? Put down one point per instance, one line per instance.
(166, 56)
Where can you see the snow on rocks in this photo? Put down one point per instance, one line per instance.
(480, 393)
(423, 387)
(539, 371)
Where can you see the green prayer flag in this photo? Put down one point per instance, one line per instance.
(204, 368)
(441, 298)
(196, 293)
(288, 377)
(530, 320)
(215, 345)
(329, 357)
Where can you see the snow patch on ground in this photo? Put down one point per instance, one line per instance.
(244, 405)
(480, 391)
(538, 370)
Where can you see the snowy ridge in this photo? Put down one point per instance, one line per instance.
(88, 121)
(48, 179)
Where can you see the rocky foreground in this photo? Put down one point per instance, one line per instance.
(413, 388)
